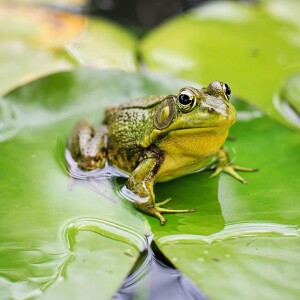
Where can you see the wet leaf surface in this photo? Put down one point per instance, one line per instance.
(56, 232)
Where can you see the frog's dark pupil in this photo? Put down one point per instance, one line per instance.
(227, 90)
(184, 99)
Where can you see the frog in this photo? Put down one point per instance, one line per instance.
(159, 138)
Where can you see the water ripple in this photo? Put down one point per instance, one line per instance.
(233, 231)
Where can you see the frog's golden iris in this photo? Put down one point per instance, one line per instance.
(159, 138)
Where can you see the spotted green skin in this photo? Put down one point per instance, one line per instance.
(128, 125)
(159, 138)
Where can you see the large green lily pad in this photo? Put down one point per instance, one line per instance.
(254, 48)
(57, 232)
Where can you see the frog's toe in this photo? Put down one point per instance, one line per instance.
(163, 202)
(170, 211)
(216, 172)
(160, 210)
(243, 169)
(231, 170)
(173, 211)
(161, 218)
(155, 209)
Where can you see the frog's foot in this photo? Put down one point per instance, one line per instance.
(87, 146)
(161, 210)
(170, 211)
(231, 169)
(156, 210)
(224, 165)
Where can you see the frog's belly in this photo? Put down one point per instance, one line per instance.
(175, 170)
(189, 151)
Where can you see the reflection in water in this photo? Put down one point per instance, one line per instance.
(29, 272)
(151, 276)
(108, 171)
(155, 280)
(102, 181)
(43, 269)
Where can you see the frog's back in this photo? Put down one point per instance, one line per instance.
(143, 102)
(128, 125)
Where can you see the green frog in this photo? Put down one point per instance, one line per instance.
(159, 138)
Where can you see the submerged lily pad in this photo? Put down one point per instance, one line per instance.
(56, 231)
(254, 48)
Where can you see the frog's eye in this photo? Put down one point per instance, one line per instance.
(186, 100)
(226, 90)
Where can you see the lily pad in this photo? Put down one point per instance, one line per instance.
(56, 231)
(254, 48)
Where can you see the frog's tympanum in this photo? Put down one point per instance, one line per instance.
(159, 138)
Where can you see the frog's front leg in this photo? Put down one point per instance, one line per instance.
(88, 145)
(224, 165)
(141, 183)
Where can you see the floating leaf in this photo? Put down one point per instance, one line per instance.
(57, 232)
(52, 226)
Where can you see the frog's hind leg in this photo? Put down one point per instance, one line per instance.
(87, 145)
(224, 165)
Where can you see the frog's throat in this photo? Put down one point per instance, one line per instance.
(155, 134)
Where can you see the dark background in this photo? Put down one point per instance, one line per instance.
(142, 15)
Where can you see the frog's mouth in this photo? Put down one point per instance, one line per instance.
(195, 133)
(199, 130)
(220, 124)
